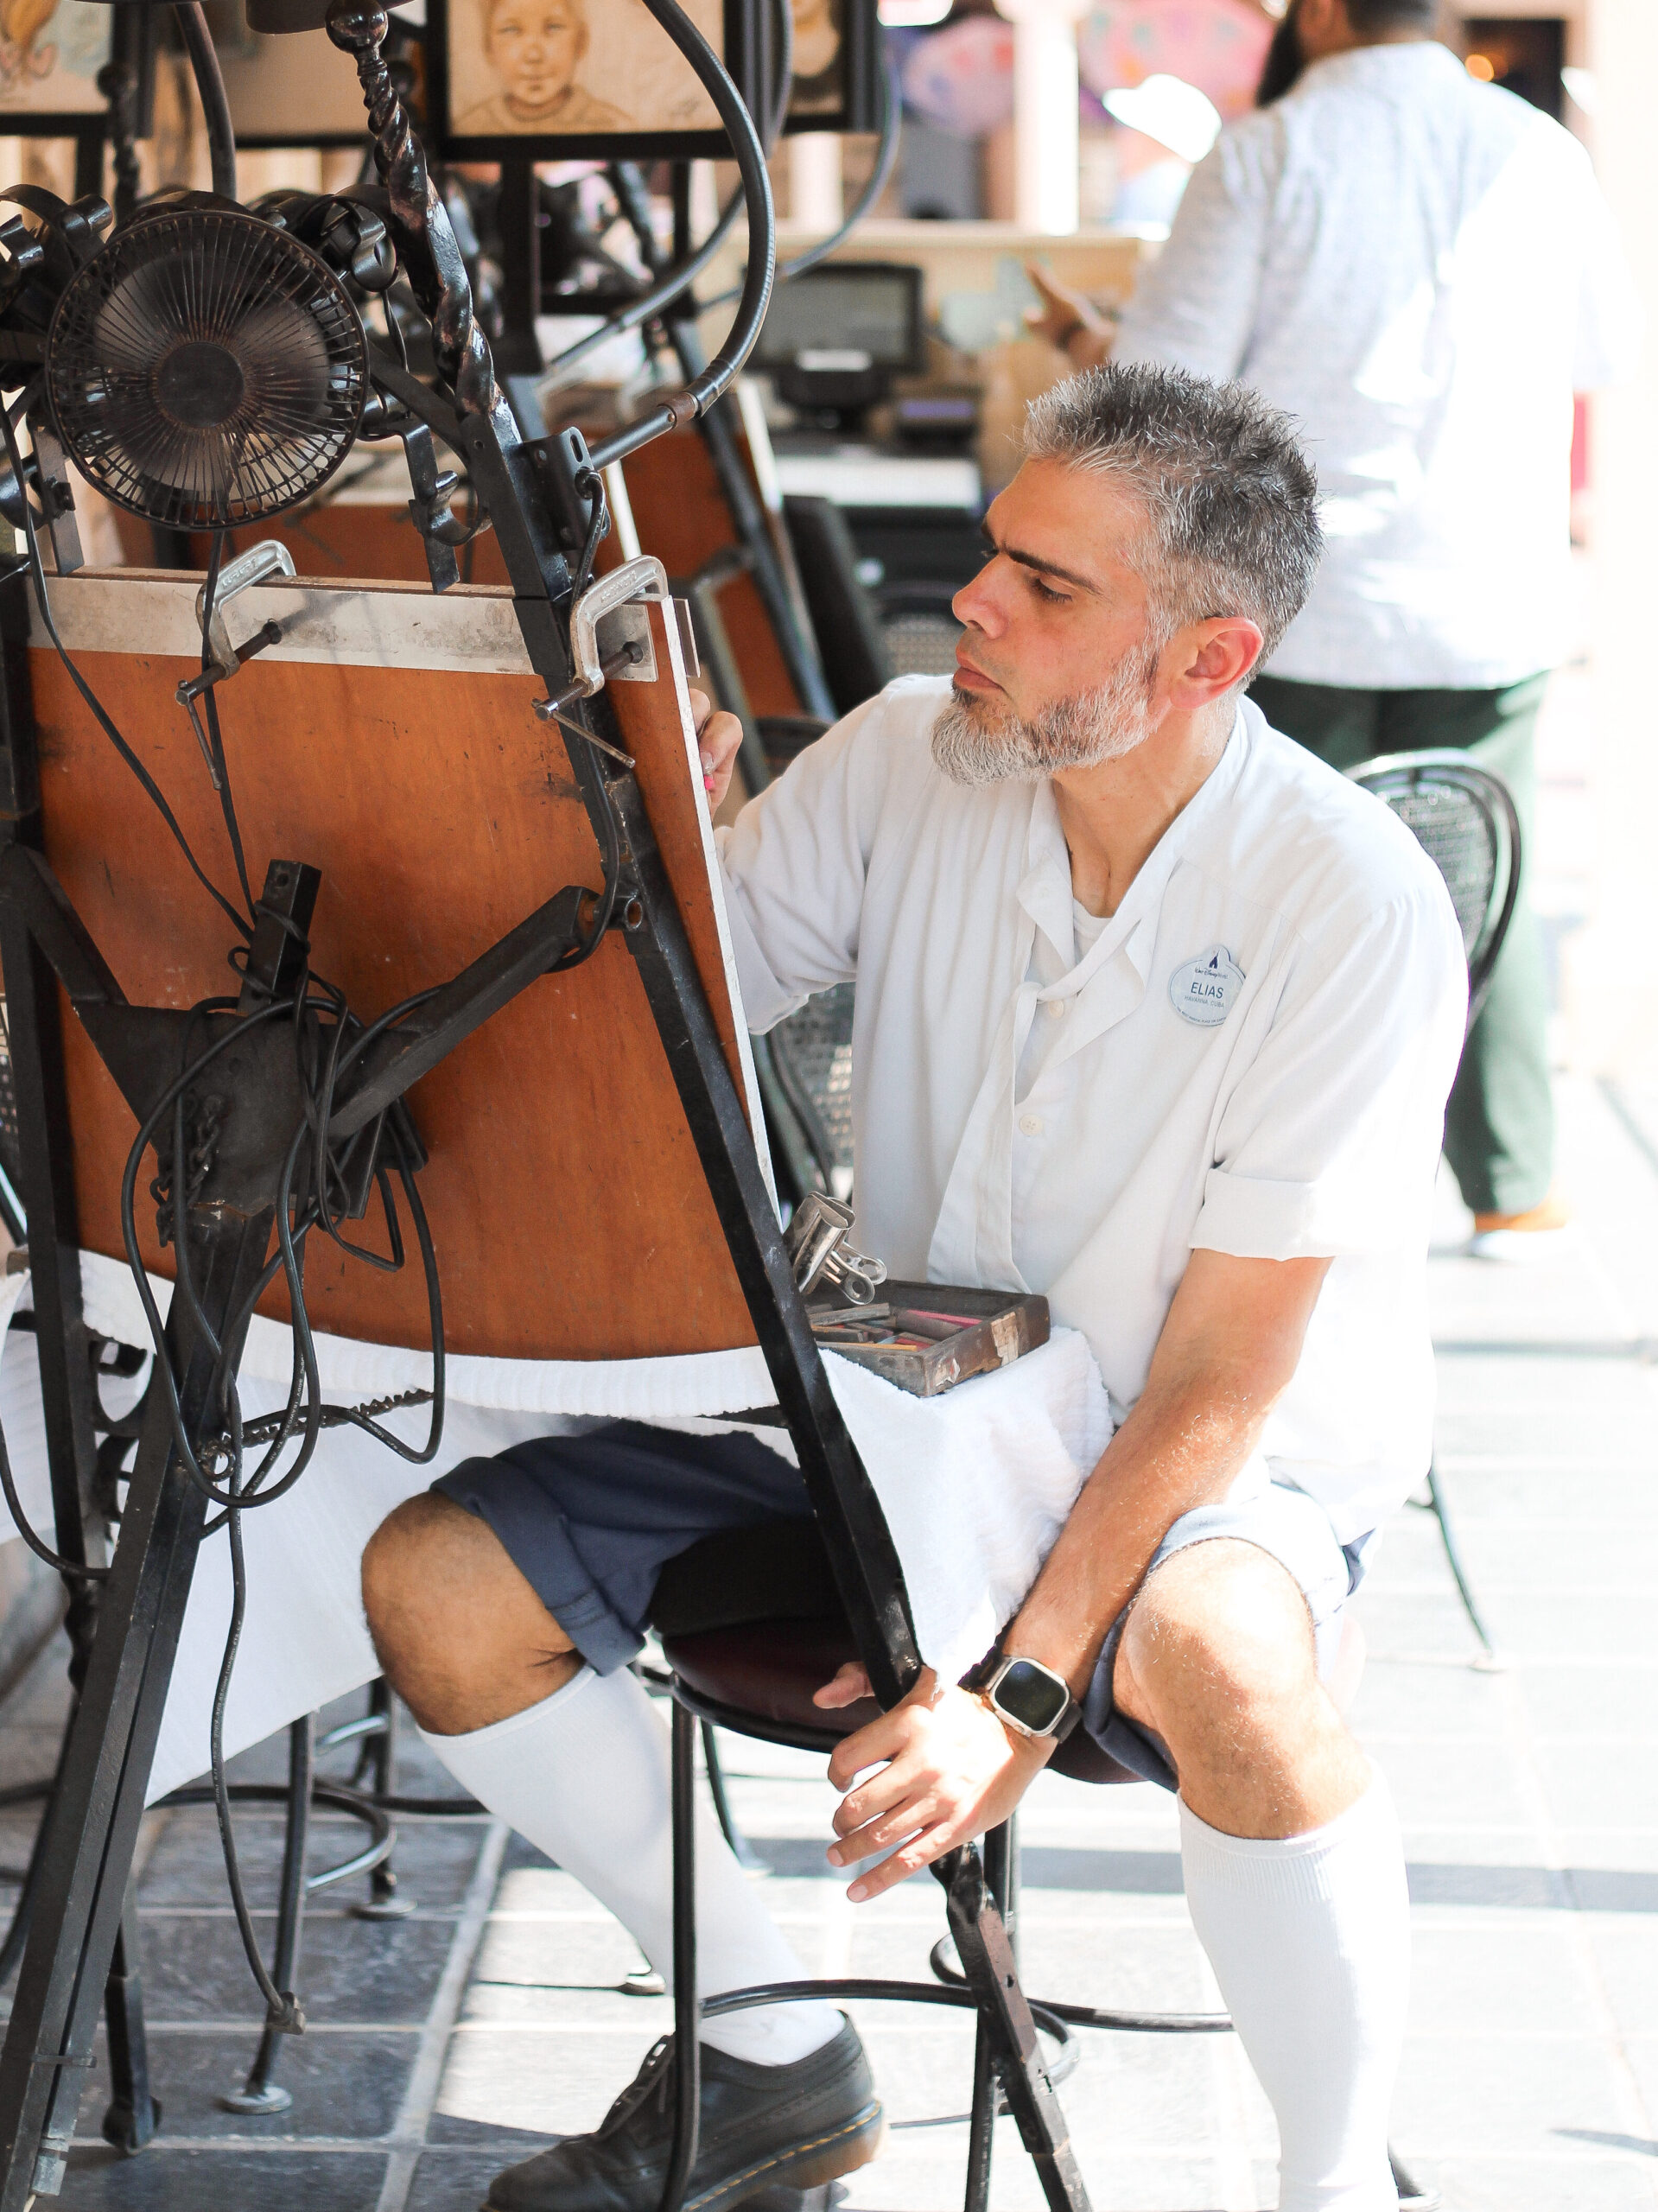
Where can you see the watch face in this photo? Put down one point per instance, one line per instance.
(1030, 1695)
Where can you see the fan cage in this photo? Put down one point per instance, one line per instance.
(224, 278)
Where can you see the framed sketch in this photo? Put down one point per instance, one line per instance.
(51, 52)
(837, 66)
(557, 79)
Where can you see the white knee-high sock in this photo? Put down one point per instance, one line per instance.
(1309, 1942)
(585, 1775)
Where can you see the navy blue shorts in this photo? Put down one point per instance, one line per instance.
(591, 1519)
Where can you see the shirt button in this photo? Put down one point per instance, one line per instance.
(1031, 1124)
(1054, 1007)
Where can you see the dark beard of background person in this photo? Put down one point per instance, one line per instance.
(1284, 62)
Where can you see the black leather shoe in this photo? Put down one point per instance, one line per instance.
(802, 2125)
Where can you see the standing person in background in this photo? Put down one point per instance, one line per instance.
(1421, 268)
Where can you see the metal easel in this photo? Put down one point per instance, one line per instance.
(542, 497)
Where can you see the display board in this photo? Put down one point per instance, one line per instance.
(389, 740)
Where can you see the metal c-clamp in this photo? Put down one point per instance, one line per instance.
(268, 558)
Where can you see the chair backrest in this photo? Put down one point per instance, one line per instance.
(811, 1052)
(856, 663)
(1464, 819)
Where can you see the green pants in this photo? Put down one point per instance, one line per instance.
(1499, 1131)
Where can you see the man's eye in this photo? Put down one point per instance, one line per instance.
(1053, 598)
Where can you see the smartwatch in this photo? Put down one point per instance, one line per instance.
(1032, 1699)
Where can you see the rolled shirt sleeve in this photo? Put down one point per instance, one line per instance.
(1327, 1145)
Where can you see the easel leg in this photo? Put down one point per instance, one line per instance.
(134, 2114)
(92, 1825)
(1005, 2022)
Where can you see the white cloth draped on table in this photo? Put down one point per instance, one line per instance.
(975, 1484)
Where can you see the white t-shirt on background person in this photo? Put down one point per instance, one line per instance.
(1252, 1055)
(1421, 270)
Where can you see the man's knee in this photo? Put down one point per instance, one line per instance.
(1220, 1626)
(426, 1546)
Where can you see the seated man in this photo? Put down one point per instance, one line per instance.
(1156, 1015)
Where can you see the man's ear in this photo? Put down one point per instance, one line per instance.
(1211, 658)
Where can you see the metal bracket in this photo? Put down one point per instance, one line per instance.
(615, 602)
(57, 499)
(268, 558)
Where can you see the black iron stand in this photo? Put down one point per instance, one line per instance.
(541, 495)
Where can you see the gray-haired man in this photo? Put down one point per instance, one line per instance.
(1155, 1015)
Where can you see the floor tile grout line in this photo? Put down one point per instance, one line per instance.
(414, 2114)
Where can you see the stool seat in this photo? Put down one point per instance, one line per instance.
(758, 1679)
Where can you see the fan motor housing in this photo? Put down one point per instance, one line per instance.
(205, 369)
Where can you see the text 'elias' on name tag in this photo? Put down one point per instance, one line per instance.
(1202, 991)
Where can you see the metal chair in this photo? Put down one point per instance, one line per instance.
(1466, 821)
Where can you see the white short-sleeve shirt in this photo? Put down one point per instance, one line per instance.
(1251, 1057)
(1421, 270)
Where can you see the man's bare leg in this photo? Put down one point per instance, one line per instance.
(460, 1635)
(1293, 1869)
(577, 1762)
(1217, 1656)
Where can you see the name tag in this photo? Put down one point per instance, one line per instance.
(1202, 991)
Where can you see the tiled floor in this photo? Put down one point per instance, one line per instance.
(442, 2046)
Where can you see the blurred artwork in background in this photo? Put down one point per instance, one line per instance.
(549, 70)
(961, 78)
(816, 88)
(51, 52)
(1218, 46)
(1168, 72)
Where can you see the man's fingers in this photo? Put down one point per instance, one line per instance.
(702, 708)
(932, 1843)
(850, 1683)
(873, 1744)
(913, 1816)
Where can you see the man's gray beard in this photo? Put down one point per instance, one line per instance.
(974, 745)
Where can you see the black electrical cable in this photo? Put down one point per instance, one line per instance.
(709, 383)
(891, 108)
(672, 283)
(76, 1569)
(151, 789)
(210, 84)
(215, 737)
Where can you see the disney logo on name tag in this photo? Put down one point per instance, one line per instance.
(1202, 991)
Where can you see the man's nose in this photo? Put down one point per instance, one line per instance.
(976, 604)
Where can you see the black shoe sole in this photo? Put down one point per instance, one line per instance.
(857, 2142)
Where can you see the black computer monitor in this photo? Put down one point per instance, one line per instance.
(869, 307)
(835, 338)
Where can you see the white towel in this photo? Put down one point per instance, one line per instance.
(975, 1485)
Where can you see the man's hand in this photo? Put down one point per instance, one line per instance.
(1068, 320)
(948, 1771)
(718, 737)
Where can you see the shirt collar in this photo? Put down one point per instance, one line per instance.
(1044, 890)
(1362, 63)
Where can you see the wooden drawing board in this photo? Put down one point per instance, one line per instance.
(389, 741)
